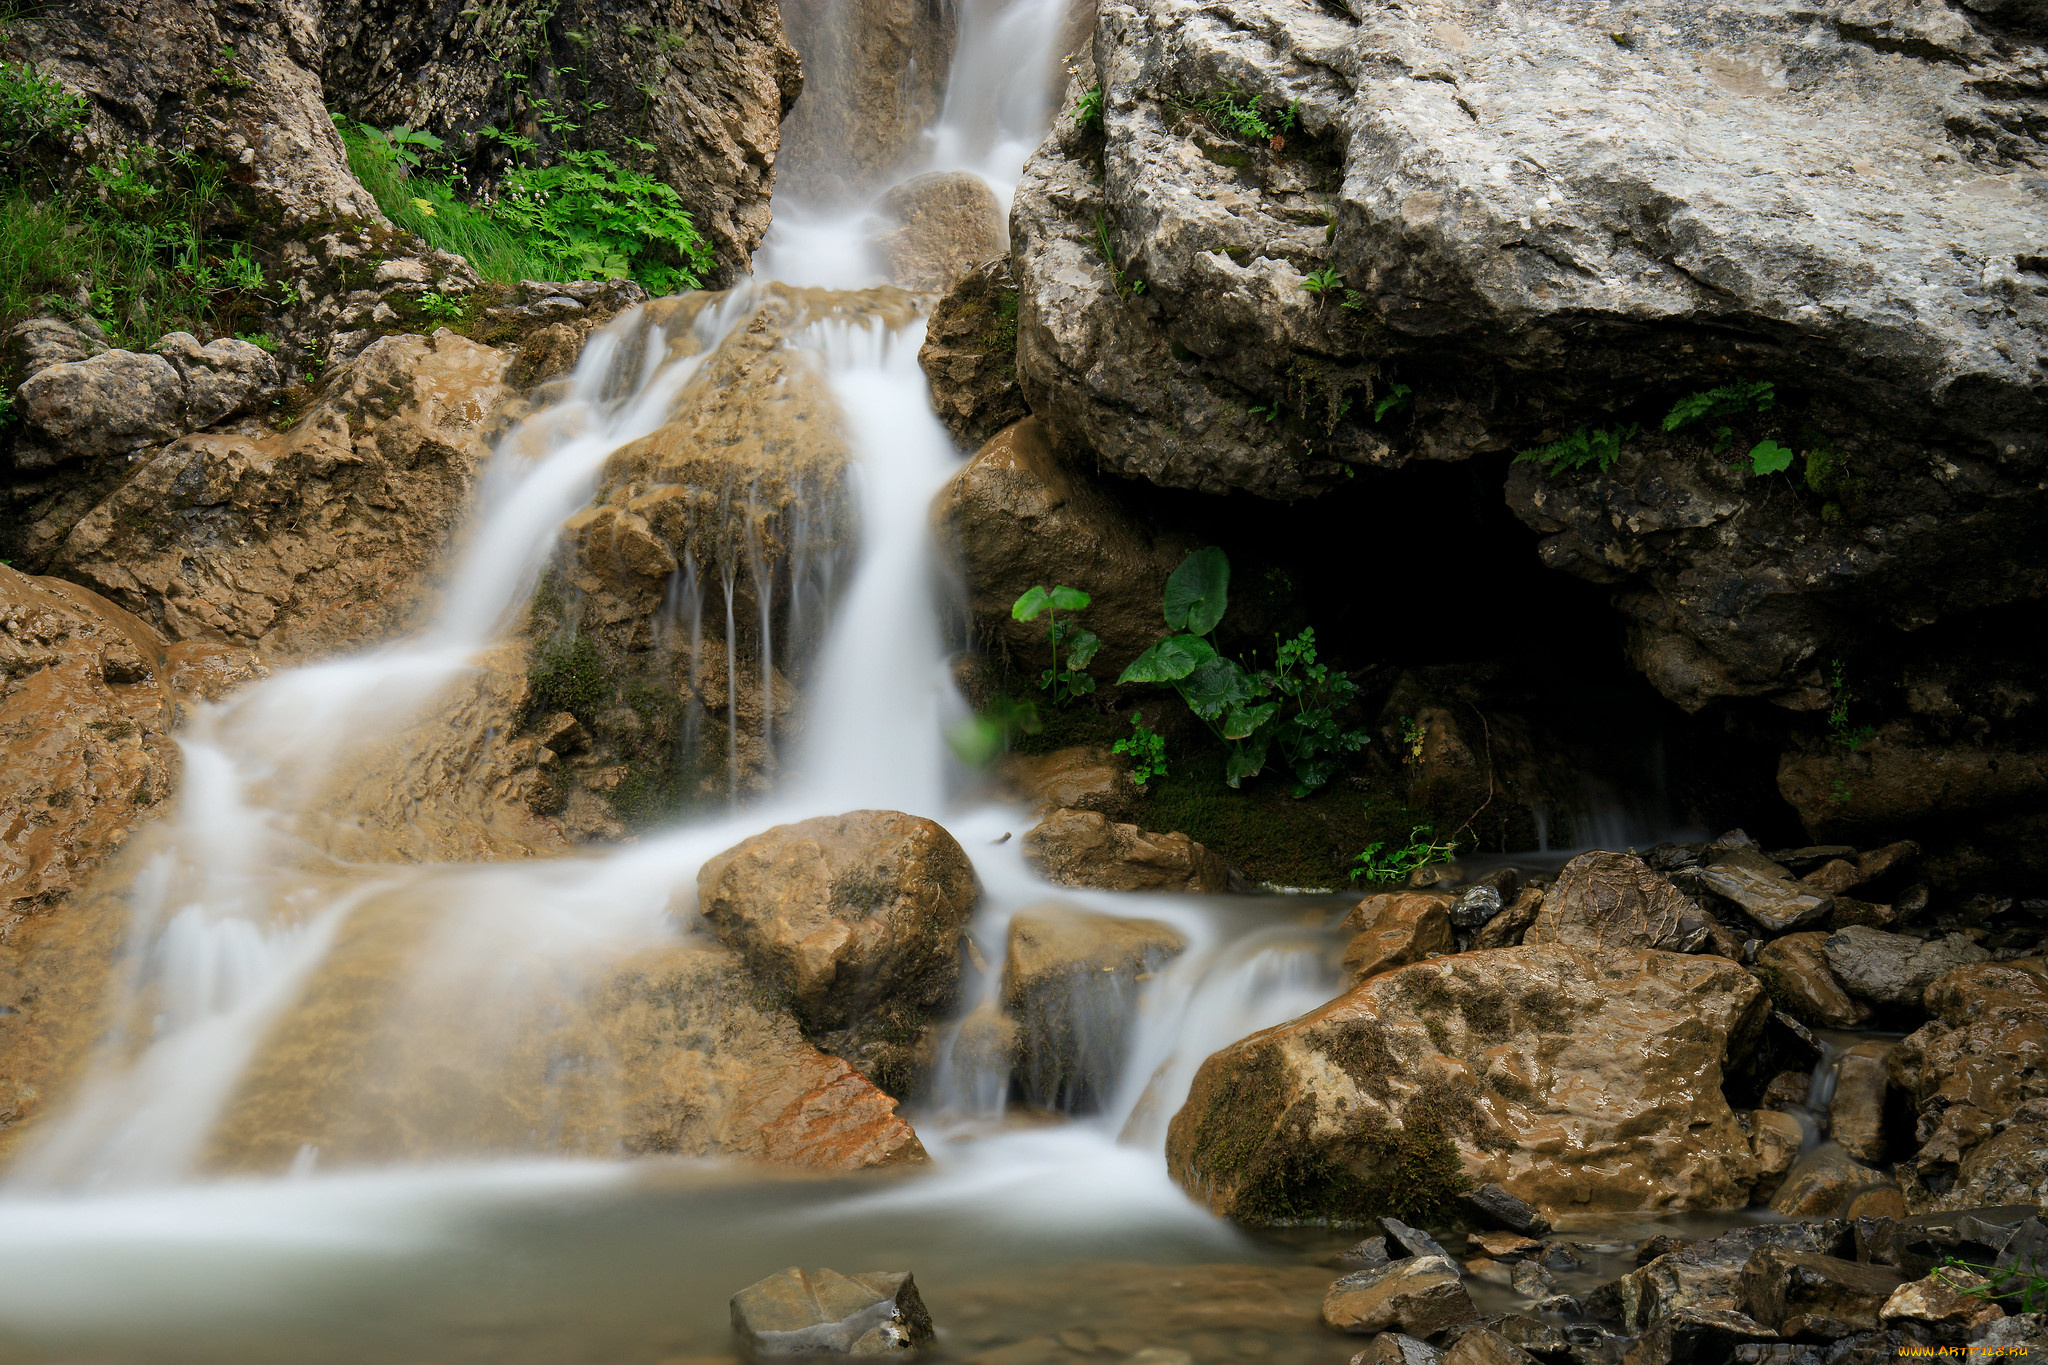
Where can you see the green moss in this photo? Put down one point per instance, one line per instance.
(569, 675)
(1237, 161)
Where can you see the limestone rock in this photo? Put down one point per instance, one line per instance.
(1969, 1070)
(1892, 969)
(1021, 514)
(970, 355)
(857, 922)
(1697, 1334)
(1397, 1348)
(1775, 1137)
(1794, 969)
(1578, 1079)
(1611, 900)
(286, 543)
(1706, 1275)
(822, 1312)
(1083, 777)
(1417, 1296)
(874, 79)
(1856, 1113)
(1799, 1293)
(33, 346)
(1394, 929)
(1083, 848)
(941, 225)
(1766, 892)
(1070, 980)
(108, 404)
(223, 378)
(1486, 1347)
(2009, 1168)
(1942, 1301)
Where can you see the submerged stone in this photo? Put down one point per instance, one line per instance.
(822, 1312)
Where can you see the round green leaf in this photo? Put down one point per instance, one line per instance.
(1170, 660)
(1028, 607)
(1069, 599)
(1081, 649)
(1214, 687)
(1768, 457)
(1198, 591)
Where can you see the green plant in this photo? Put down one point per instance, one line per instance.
(1324, 281)
(1583, 447)
(33, 105)
(1311, 739)
(1413, 735)
(1230, 111)
(1381, 864)
(1108, 247)
(1070, 680)
(261, 340)
(438, 305)
(1848, 737)
(1146, 749)
(1088, 113)
(980, 740)
(1397, 400)
(1727, 401)
(2024, 1288)
(1768, 457)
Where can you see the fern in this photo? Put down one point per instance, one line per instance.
(1727, 401)
(1583, 447)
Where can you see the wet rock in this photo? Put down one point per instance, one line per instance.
(1766, 892)
(1474, 906)
(1707, 1275)
(1856, 1113)
(1418, 1296)
(2011, 1167)
(1504, 1246)
(1892, 969)
(1775, 1138)
(1493, 1204)
(1020, 514)
(874, 78)
(286, 543)
(1510, 927)
(970, 355)
(1368, 1253)
(1849, 870)
(1919, 1245)
(1794, 969)
(1084, 777)
(1532, 1281)
(1803, 1294)
(2026, 1332)
(1942, 1302)
(1578, 1079)
(1970, 1070)
(109, 404)
(223, 378)
(941, 226)
(822, 1312)
(1394, 929)
(1412, 1241)
(1824, 1183)
(1083, 848)
(1611, 900)
(857, 922)
(1070, 980)
(1697, 1336)
(1397, 1348)
(1486, 1347)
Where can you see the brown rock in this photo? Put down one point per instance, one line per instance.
(1579, 1079)
(1397, 1348)
(970, 355)
(1510, 927)
(822, 1312)
(1394, 929)
(1764, 890)
(1612, 900)
(1775, 1138)
(1686, 1335)
(2009, 1168)
(1706, 1276)
(1802, 1294)
(1856, 1113)
(1084, 777)
(1082, 848)
(1021, 514)
(856, 922)
(941, 226)
(1942, 1301)
(1486, 1347)
(1070, 980)
(1970, 1069)
(287, 544)
(1418, 1296)
(1504, 1246)
(1794, 969)
(1824, 1182)
(874, 79)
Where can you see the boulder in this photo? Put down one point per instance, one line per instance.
(1418, 1296)
(2020, 1333)
(1856, 1112)
(33, 346)
(1943, 1302)
(1794, 969)
(1707, 1275)
(1892, 969)
(1612, 900)
(1083, 848)
(2011, 1167)
(1083, 777)
(1842, 874)
(224, 378)
(1971, 1069)
(1492, 1204)
(970, 355)
(1825, 1184)
(286, 543)
(1021, 513)
(822, 1312)
(1070, 980)
(1578, 1079)
(1776, 1138)
(1394, 929)
(1766, 892)
(856, 922)
(1803, 1294)
(108, 404)
(940, 226)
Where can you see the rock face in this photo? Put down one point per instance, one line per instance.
(941, 225)
(1020, 515)
(1579, 1079)
(1070, 980)
(857, 922)
(970, 355)
(707, 87)
(822, 1312)
(286, 542)
(1084, 848)
(874, 78)
(1612, 900)
(1394, 929)
(1979, 1064)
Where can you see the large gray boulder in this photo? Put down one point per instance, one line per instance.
(107, 404)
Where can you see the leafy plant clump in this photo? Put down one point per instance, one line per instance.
(33, 105)
(1568, 454)
(2017, 1289)
(1088, 113)
(1107, 245)
(1293, 704)
(1069, 680)
(1846, 736)
(1146, 749)
(1380, 863)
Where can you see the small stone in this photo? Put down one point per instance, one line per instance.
(1766, 892)
(1394, 929)
(1486, 1347)
(1824, 1182)
(1892, 969)
(1531, 1280)
(1084, 848)
(1856, 1114)
(1370, 1252)
(1688, 1335)
(1474, 906)
(1493, 1204)
(796, 1312)
(1504, 1246)
(1413, 1241)
(2016, 1337)
(1397, 1348)
(1510, 926)
(1794, 969)
(1421, 1295)
(1775, 1137)
(1943, 1302)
